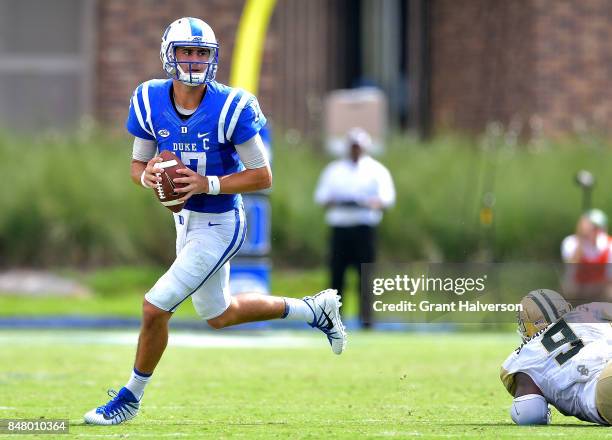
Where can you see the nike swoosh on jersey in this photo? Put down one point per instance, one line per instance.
(213, 224)
(201, 135)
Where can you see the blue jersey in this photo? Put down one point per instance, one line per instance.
(206, 140)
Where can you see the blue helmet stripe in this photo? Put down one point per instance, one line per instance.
(196, 29)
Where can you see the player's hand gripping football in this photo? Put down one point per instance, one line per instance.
(195, 183)
(151, 172)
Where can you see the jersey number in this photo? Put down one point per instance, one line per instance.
(559, 335)
(195, 161)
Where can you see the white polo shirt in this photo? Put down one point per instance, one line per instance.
(350, 186)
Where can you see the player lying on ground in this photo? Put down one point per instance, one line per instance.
(564, 360)
(214, 129)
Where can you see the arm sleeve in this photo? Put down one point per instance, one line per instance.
(568, 248)
(136, 122)
(322, 193)
(386, 189)
(143, 149)
(253, 153)
(250, 121)
(530, 409)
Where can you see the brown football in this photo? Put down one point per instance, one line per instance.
(165, 190)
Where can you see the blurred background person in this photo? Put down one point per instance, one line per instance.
(355, 190)
(587, 254)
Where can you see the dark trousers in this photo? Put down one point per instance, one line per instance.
(352, 246)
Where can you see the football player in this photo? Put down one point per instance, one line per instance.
(564, 361)
(214, 129)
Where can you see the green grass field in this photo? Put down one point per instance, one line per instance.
(275, 385)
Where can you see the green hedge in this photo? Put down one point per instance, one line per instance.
(72, 202)
(69, 200)
(441, 185)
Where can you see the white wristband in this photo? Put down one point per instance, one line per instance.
(214, 185)
(142, 182)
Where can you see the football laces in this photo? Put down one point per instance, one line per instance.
(160, 189)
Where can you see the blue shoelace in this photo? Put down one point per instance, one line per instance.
(114, 406)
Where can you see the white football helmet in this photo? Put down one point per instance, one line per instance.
(189, 32)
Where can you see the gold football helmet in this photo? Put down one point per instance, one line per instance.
(540, 308)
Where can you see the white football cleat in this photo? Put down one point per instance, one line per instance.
(122, 407)
(326, 308)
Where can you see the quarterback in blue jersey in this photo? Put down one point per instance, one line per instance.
(214, 129)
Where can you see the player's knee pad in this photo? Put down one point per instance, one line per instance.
(530, 409)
